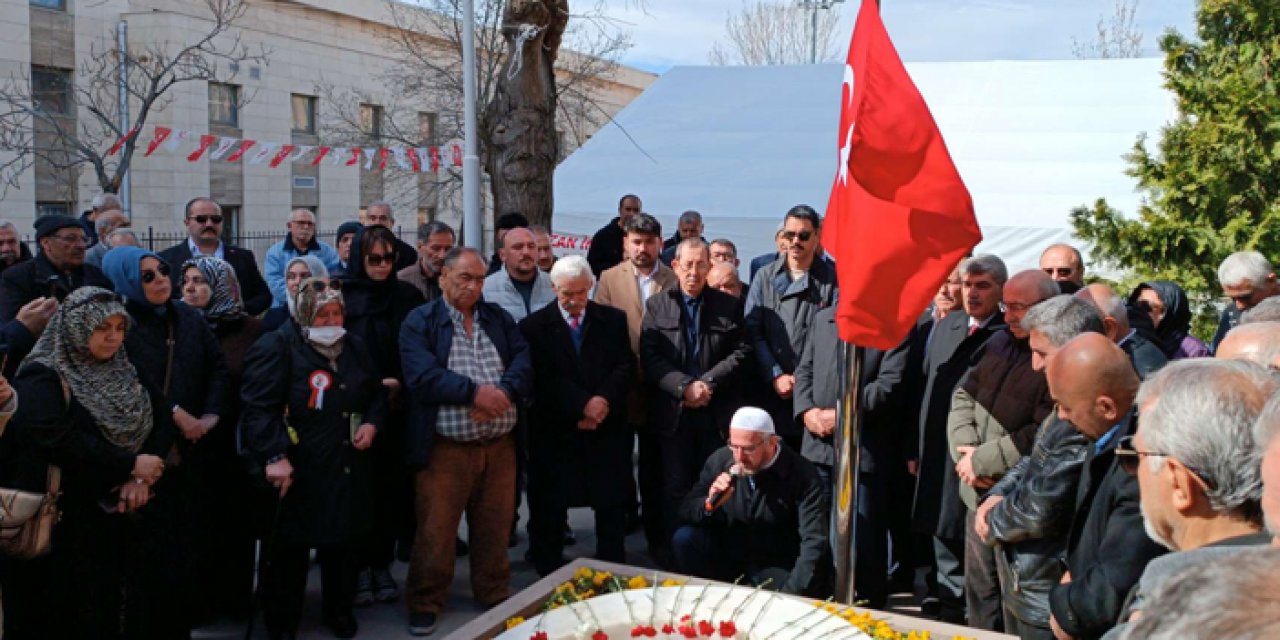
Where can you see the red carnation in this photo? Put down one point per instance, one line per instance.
(650, 632)
(688, 631)
(706, 628)
(668, 629)
(728, 629)
(599, 635)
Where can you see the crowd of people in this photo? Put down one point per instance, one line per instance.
(1041, 456)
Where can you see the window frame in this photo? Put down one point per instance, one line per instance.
(66, 99)
(311, 113)
(233, 91)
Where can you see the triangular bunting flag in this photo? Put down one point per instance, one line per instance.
(205, 142)
(159, 138)
(241, 150)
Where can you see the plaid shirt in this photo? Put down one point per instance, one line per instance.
(474, 357)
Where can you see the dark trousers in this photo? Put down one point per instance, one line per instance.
(708, 552)
(392, 503)
(1024, 630)
(684, 451)
(649, 477)
(871, 539)
(981, 581)
(283, 575)
(222, 527)
(948, 556)
(906, 545)
(549, 501)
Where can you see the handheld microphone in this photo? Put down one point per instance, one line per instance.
(718, 498)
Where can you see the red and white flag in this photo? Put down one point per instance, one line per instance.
(206, 141)
(224, 145)
(899, 218)
(244, 147)
(161, 134)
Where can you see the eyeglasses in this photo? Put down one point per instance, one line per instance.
(216, 219)
(150, 275)
(102, 298)
(320, 286)
(1143, 305)
(1128, 457)
(379, 259)
(802, 236)
(745, 450)
(71, 238)
(1016, 307)
(1061, 272)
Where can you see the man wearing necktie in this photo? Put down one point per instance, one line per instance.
(692, 352)
(579, 440)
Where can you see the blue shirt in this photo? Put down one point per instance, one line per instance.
(1107, 437)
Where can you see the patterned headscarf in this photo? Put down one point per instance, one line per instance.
(109, 390)
(315, 267)
(307, 305)
(224, 288)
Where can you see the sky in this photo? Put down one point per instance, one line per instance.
(666, 33)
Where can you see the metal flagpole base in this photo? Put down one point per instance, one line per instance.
(844, 474)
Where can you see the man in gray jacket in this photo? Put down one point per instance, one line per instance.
(1196, 463)
(519, 287)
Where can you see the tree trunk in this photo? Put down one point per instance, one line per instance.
(520, 121)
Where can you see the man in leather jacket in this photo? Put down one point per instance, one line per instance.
(1027, 514)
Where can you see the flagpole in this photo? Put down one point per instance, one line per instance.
(848, 459)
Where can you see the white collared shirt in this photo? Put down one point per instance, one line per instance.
(568, 319)
(645, 282)
(196, 251)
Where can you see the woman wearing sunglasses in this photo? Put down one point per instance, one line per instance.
(312, 406)
(376, 305)
(1166, 304)
(87, 409)
(172, 345)
(222, 525)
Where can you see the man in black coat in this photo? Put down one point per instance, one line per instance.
(693, 352)
(759, 510)
(203, 217)
(1095, 386)
(56, 271)
(381, 213)
(12, 249)
(816, 394)
(1247, 278)
(1147, 358)
(950, 350)
(606, 244)
(579, 440)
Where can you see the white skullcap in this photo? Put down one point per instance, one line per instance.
(752, 419)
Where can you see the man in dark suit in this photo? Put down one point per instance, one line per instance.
(1094, 385)
(1146, 357)
(950, 351)
(579, 440)
(203, 217)
(760, 261)
(816, 394)
(693, 351)
(606, 244)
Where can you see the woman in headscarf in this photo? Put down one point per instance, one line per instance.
(224, 527)
(87, 409)
(172, 344)
(295, 271)
(377, 304)
(1166, 304)
(311, 405)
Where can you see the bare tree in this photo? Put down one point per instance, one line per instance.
(78, 131)
(768, 33)
(427, 43)
(1119, 38)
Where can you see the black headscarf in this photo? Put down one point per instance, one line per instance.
(1176, 323)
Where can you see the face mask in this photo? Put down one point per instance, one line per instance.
(327, 336)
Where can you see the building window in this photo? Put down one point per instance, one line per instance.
(425, 215)
(231, 225)
(224, 104)
(371, 120)
(51, 89)
(58, 5)
(304, 114)
(52, 209)
(427, 123)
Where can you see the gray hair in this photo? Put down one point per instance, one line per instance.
(122, 232)
(432, 228)
(539, 229)
(1201, 412)
(455, 254)
(1232, 597)
(1244, 266)
(986, 264)
(6, 224)
(690, 243)
(1266, 311)
(101, 223)
(1267, 426)
(690, 216)
(725, 242)
(106, 201)
(391, 213)
(571, 267)
(1111, 306)
(314, 217)
(1061, 318)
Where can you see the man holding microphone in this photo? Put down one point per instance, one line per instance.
(758, 510)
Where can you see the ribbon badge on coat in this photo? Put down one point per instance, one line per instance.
(319, 381)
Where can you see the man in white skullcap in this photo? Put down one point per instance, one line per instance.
(759, 510)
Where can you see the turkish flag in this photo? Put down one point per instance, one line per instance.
(899, 218)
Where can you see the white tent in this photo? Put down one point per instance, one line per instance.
(1032, 140)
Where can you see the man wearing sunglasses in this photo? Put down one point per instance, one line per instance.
(1201, 489)
(1247, 279)
(203, 218)
(300, 240)
(1065, 265)
(780, 308)
(1094, 385)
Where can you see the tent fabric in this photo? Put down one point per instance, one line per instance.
(741, 145)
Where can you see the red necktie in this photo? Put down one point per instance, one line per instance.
(574, 321)
(973, 328)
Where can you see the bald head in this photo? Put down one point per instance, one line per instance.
(1115, 317)
(1093, 382)
(1024, 290)
(1063, 263)
(724, 276)
(1257, 342)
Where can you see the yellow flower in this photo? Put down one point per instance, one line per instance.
(583, 572)
(599, 578)
(672, 582)
(637, 582)
(589, 593)
(514, 622)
